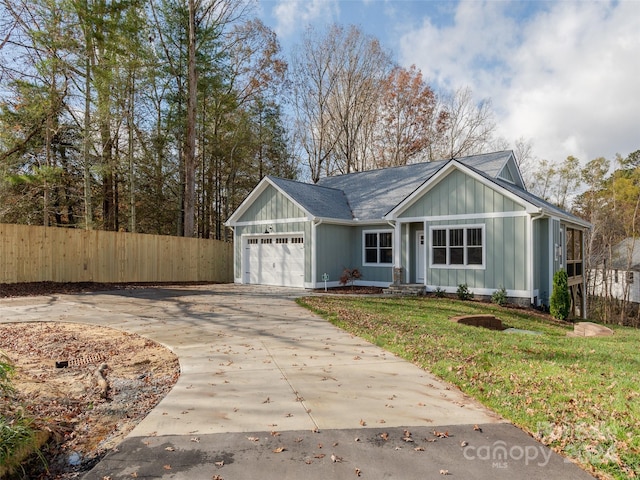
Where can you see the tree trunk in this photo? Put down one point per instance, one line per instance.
(190, 140)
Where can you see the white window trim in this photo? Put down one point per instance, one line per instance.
(364, 248)
(464, 266)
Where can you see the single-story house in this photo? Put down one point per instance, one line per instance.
(439, 224)
(619, 276)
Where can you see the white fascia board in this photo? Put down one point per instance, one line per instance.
(255, 193)
(272, 222)
(352, 223)
(465, 216)
(443, 172)
(570, 221)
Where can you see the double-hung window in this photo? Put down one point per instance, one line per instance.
(458, 246)
(378, 247)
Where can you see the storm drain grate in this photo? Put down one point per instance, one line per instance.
(79, 362)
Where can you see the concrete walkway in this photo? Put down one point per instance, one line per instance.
(270, 390)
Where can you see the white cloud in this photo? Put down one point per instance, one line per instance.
(565, 77)
(291, 15)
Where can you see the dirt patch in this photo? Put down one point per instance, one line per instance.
(47, 288)
(83, 421)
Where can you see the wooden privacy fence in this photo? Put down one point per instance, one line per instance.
(39, 254)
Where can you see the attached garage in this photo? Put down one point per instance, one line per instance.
(274, 260)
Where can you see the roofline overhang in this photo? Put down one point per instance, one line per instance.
(255, 193)
(575, 221)
(444, 171)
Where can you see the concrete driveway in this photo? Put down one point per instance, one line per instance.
(269, 390)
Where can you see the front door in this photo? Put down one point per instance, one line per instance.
(420, 253)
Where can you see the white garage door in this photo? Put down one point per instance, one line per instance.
(274, 260)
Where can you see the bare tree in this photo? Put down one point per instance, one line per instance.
(467, 126)
(313, 81)
(361, 66)
(336, 80)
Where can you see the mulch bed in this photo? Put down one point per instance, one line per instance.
(351, 290)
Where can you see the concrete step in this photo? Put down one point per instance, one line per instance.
(405, 289)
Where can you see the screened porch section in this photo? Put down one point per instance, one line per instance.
(575, 263)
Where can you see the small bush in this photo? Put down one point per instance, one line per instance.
(6, 372)
(349, 276)
(439, 292)
(463, 292)
(560, 302)
(499, 296)
(18, 438)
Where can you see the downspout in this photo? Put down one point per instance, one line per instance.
(314, 267)
(539, 216)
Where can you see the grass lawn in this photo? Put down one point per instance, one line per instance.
(580, 396)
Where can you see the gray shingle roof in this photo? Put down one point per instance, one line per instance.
(531, 198)
(372, 194)
(319, 201)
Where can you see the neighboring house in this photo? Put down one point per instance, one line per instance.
(620, 276)
(438, 224)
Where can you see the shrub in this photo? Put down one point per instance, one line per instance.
(6, 371)
(439, 292)
(463, 292)
(560, 302)
(349, 276)
(499, 296)
(18, 438)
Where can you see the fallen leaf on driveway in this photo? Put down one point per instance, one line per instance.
(279, 450)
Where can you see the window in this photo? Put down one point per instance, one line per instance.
(629, 277)
(457, 245)
(252, 241)
(378, 247)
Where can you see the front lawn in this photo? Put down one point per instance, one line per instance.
(580, 396)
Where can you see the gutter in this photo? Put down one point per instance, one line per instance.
(315, 222)
(539, 216)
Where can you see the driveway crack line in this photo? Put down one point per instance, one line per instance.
(299, 399)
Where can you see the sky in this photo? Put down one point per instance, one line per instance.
(564, 75)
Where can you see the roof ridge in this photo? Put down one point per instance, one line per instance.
(272, 177)
(408, 165)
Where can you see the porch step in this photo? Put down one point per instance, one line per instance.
(406, 289)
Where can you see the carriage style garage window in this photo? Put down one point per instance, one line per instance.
(378, 247)
(457, 245)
